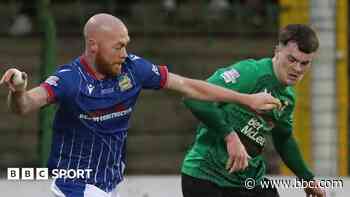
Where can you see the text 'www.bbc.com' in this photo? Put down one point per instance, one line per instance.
(293, 183)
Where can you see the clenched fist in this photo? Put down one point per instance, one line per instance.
(15, 80)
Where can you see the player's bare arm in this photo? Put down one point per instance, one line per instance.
(204, 91)
(21, 101)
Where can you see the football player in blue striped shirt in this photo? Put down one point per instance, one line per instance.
(96, 94)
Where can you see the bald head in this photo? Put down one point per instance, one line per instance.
(101, 24)
(106, 39)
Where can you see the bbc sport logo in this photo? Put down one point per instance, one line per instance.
(43, 173)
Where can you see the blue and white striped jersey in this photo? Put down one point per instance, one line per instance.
(91, 123)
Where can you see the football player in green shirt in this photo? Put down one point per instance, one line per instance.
(230, 138)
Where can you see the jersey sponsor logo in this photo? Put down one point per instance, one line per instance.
(124, 83)
(52, 80)
(90, 88)
(105, 117)
(251, 130)
(230, 76)
(155, 69)
(101, 112)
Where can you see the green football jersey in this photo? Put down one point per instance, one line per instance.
(208, 155)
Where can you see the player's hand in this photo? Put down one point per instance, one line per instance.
(237, 154)
(263, 101)
(14, 85)
(314, 190)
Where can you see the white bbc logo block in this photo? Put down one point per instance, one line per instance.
(12, 173)
(27, 174)
(42, 173)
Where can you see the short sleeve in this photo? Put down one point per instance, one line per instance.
(241, 76)
(57, 85)
(151, 76)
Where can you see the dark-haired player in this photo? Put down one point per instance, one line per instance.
(229, 141)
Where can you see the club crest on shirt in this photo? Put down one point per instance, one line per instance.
(279, 112)
(284, 105)
(124, 83)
